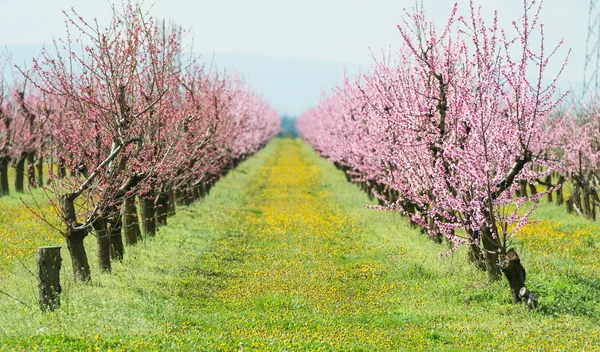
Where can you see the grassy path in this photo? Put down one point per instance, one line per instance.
(296, 271)
(282, 255)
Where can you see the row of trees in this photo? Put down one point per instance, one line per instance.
(19, 140)
(576, 136)
(448, 131)
(127, 114)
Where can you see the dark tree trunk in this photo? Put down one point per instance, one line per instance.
(179, 196)
(31, 170)
(523, 188)
(198, 192)
(114, 227)
(186, 196)
(50, 170)
(62, 168)
(574, 201)
(587, 210)
(434, 233)
(532, 189)
(4, 189)
(49, 263)
(20, 173)
(370, 193)
(491, 247)
(205, 188)
(74, 238)
(103, 245)
(569, 206)
(40, 171)
(475, 256)
(515, 273)
(131, 225)
(172, 209)
(559, 192)
(410, 210)
(548, 181)
(161, 204)
(348, 176)
(148, 218)
(379, 189)
(81, 267)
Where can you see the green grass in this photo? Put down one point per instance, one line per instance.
(283, 255)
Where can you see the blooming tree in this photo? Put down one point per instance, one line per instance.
(450, 128)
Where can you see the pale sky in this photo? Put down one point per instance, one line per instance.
(327, 31)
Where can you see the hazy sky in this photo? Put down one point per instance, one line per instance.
(339, 31)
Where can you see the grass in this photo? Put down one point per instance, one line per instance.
(20, 233)
(283, 255)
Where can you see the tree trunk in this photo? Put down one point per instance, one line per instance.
(475, 256)
(40, 171)
(74, 238)
(379, 190)
(211, 182)
(198, 192)
(131, 225)
(574, 201)
(409, 208)
(148, 219)
(48, 261)
(491, 247)
(186, 196)
(114, 228)
(523, 188)
(548, 182)
(50, 169)
(587, 209)
(103, 245)
(515, 273)
(162, 207)
(559, 192)
(532, 189)
(81, 267)
(31, 170)
(179, 196)
(434, 233)
(4, 189)
(20, 173)
(62, 168)
(172, 209)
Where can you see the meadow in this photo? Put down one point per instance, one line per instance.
(284, 255)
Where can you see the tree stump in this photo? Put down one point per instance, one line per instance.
(49, 261)
(515, 274)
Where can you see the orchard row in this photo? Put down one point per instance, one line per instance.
(453, 131)
(119, 111)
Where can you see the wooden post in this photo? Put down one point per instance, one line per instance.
(49, 260)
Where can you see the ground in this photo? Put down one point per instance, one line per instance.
(284, 255)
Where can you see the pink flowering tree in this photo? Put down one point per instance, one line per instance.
(28, 135)
(106, 93)
(6, 126)
(580, 157)
(451, 129)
